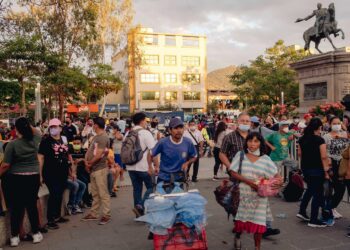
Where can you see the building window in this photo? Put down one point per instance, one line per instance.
(191, 78)
(192, 96)
(150, 78)
(170, 40)
(170, 60)
(190, 61)
(170, 78)
(188, 41)
(171, 96)
(150, 39)
(150, 96)
(151, 59)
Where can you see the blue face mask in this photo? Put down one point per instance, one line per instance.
(244, 127)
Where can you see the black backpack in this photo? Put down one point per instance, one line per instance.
(295, 187)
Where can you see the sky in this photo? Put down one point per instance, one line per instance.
(238, 30)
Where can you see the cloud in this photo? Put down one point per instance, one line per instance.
(237, 31)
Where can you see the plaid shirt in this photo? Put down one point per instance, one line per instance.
(232, 143)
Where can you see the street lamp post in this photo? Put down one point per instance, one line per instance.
(38, 111)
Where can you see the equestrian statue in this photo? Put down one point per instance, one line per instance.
(325, 26)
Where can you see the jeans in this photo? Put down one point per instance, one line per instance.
(84, 176)
(315, 191)
(23, 190)
(56, 189)
(137, 180)
(76, 191)
(110, 178)
(338, 185)
(217, 160)
(195, 166)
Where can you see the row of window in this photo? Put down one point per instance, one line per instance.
(170, 40)
(187, 78)
(170, 96)
(170, 60)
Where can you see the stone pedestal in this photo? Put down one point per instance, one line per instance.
(323, 78)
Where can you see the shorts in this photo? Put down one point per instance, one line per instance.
(118, 160)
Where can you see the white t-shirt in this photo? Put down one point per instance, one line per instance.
(121, 124)
(196, 134)
(146, 142)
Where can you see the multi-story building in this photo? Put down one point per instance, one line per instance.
(165, 70)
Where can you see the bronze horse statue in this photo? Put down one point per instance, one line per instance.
(327, 28)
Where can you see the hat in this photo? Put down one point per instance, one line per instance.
(54, 122)
(175, 122)
(254, 119)
(285, 122)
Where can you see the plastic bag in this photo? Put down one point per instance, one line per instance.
(265, 187)
(160, 215)
(190, 210)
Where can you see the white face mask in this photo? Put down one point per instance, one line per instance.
(55, 131)
(285, 130)
(256, 152)
(244, 127)
(336, 128)
(296, 120)
(193, 128)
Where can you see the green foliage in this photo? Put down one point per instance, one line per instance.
(267, 76)
(10, 93)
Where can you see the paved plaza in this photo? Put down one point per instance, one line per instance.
(125, 234)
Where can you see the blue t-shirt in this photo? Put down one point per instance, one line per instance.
(173, 155)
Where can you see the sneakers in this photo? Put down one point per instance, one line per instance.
(271, 231)
(138, 210)
(303, 216)
(14, 241)
(329, 222)
(89, 217)
(215, 178)
(77, 210)
(52, 225)
(37, 238)
(113, 195)
(336, 214)
(317, 224)
(61, 220)
(104, 220)
(348, 235)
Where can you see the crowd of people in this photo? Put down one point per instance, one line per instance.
(90, 158)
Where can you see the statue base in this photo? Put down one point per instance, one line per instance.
(323, 78)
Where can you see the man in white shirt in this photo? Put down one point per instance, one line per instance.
(121, 124)
(197, 139)
(141, 171)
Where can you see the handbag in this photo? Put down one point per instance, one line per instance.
(227, 194)
(344, 163)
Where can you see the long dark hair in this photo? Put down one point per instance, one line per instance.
(221, 127)
(258, 136)
(23, 127)
(314, 124)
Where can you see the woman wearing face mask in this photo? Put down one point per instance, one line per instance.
(315, 165)
(218, 138)
(55, 163)
(253, 210)
(336, 141)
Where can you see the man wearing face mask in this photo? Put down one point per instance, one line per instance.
(280, 142)
(256, 127)
(69, 130)
(295, 125)
(197, 139)
(88, 133)
(55, 164)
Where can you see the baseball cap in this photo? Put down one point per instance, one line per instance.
(175, 122)
(307, 116)
(54, 122)
(254, 119)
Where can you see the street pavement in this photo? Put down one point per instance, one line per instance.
(123, 233)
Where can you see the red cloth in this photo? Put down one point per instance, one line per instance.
(249, 227)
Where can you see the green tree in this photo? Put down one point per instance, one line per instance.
(21, 59)
(103, 82)
(267, 76)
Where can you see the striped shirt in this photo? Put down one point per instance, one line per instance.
(253, 208)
